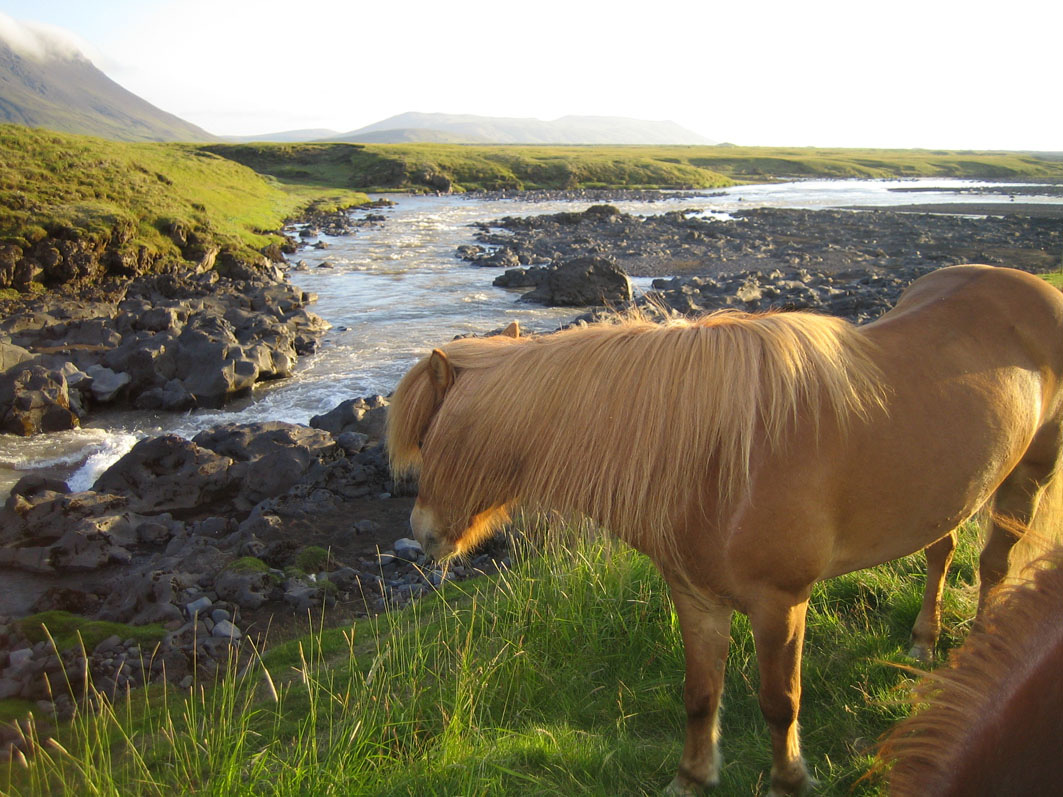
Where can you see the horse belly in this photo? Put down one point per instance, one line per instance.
(932, 473)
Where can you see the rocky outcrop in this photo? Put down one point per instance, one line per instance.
(159, 342)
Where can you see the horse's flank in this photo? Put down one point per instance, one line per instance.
(648, 409)
(992, 722)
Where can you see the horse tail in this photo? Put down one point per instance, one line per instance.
(991, 721)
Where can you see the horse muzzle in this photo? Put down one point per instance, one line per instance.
(424, 524)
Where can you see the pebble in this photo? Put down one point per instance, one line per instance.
(197, 606)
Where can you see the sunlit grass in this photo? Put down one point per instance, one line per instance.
(129, 195)
(562, 676)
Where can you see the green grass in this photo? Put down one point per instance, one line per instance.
(421, 167)
(127, 197)
(562, 676)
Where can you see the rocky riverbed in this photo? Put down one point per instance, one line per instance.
(848, 263)
(209, 540)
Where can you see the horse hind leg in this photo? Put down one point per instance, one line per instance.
(706, 628)
(927, 626)
(1014, 505)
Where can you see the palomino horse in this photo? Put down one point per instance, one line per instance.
(992, 718)
(751, 456)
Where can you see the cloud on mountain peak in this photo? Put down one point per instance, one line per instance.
(39, 41)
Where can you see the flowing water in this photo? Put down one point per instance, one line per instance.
(396, 289)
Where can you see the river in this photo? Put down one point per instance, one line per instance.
(396, 289)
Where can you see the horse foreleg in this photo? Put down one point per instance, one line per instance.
(778, 622)
(706, 627)
(928, 624)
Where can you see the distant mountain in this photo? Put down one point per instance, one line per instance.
(310, 134)
(404, 135)
(465, 128)
(43, 84)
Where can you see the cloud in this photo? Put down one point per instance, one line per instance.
(40, 41)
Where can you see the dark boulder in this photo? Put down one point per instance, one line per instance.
(531, 277)
(358, 415)
(582, 282)
(34, 399)
(170, 474)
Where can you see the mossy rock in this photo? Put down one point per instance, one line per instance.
(248, 564)
(312, 559)
(64, 628)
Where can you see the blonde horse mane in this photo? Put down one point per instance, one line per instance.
(990, 720)
(617, 421)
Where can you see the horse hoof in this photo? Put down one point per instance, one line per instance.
(802, 784)
(804, 788)
(681, 787)
(678, 789)
(922, 654)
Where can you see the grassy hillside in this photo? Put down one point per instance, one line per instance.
(443, 167)
(471, 167)
(562, 676)
(128, 199)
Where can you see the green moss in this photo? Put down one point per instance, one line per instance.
(248, 564)
(312, 559)
(14, 709)
(66, 628)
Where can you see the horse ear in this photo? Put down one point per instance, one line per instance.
(512, 331)
(441, 372)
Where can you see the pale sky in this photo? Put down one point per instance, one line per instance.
(934, 73)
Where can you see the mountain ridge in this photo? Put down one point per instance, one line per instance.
(61, 89)
(474, 129)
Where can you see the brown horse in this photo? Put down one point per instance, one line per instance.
(993, 719)
(752, 456)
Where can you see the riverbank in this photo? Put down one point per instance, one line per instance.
(446, 168)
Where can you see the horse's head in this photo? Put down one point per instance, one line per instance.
(443, 535)
(451, 515)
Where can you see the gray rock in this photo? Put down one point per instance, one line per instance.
(11, 355)
(18, 660)
(408, 549)
(198, 606)
(217, 615)
(226, 630)
(106, 385)
(248, 590)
